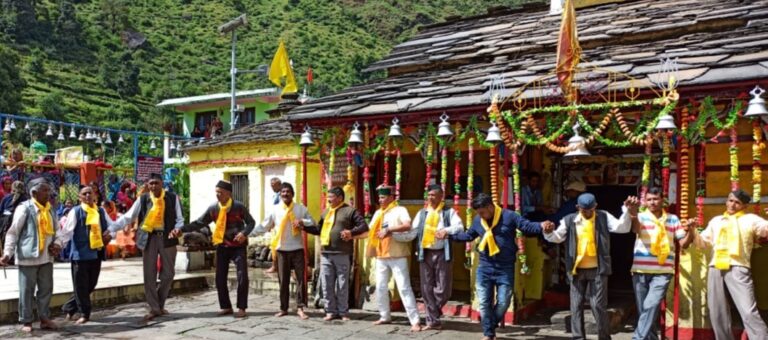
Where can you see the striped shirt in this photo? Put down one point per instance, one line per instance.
(645, 262)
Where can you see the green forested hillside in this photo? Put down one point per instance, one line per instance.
(84, 61)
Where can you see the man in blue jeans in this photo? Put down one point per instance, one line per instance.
(496, 272)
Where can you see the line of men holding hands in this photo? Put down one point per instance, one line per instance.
(33, 239)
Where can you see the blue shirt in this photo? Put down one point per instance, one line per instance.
(504, 233)
(531, 199)
(569, 207)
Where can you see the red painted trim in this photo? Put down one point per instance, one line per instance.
(250, 160)
(700, 333)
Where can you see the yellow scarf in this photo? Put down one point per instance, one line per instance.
(430, 225)
(287, 218)
(330, 219)
(586, 240)
(154, 218)
(44, 224)
(660, 242)
(221, 223)
(373, 238)
(728, 241)
(93, 223)
(488, 241)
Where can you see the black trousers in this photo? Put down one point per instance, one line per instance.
(224, 255)
(85, 275)
(287, 260)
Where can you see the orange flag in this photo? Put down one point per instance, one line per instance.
(568, 51)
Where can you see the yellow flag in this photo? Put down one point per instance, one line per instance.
(281, 68)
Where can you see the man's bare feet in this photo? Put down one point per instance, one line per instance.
(71, 317)
(345, 318)
(281, 313)
(329, 317)
(301, 314)
(164, 312)
(151, 315)
(26, 328)
(240, 313)
(489, 338)
(81, 321)
(416, 328)
(224, 312)
(48, 324)
(436, 327)
(382, 322)
(271, 270)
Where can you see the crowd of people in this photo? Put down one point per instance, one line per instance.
(34, 241)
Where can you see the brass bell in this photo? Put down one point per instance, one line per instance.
(306, 137)
(444, 129)
(494, 134)
(756, 104)
(666, 122)
(394, 130)
(355, 137)
(576, 144)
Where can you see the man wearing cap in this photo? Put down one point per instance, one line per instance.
(731, 237)
(158, 213)
(434, 255)
(588, 257)
(337, 227)
(571, 193)
(497, 228)
(86, 227)
(232, 225)
(654, 260)
(31, 238)
(288, 219)
(391, 256)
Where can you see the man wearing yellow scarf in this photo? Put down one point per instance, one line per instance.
(230, 223)
(654, 260)
(86, 232)
(160, 219)
(337, 228)
(588, 257)
(31, 239)
(731, 237)
(434, 254)
(391, 256)
(286, 220)
(494, 283)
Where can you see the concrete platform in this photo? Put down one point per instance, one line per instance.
(121, 281)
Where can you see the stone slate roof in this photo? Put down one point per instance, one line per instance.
(449, 65)
(271, 130)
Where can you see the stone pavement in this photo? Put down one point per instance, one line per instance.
(193, 316)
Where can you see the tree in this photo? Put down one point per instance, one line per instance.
(36, 63)
(128, 77)
(10, 82)
(114, 14)
(52, 106)
(67, 28)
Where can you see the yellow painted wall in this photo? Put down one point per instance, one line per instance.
(249, 158)
(693, 262)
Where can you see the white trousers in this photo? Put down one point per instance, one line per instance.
(385, 268)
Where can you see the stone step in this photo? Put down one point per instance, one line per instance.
(617, 316)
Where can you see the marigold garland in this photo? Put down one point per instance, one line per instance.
(733, 152)
(494, 165)
(645, 180)
(444, 167)
(428, 162)
(470, 188)
(684, 173)
(456, 173)
(367, 172)
(350, 186)
(398, 172)
(665, 151)
(757, 171)
(386, 163)
(701, 185)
